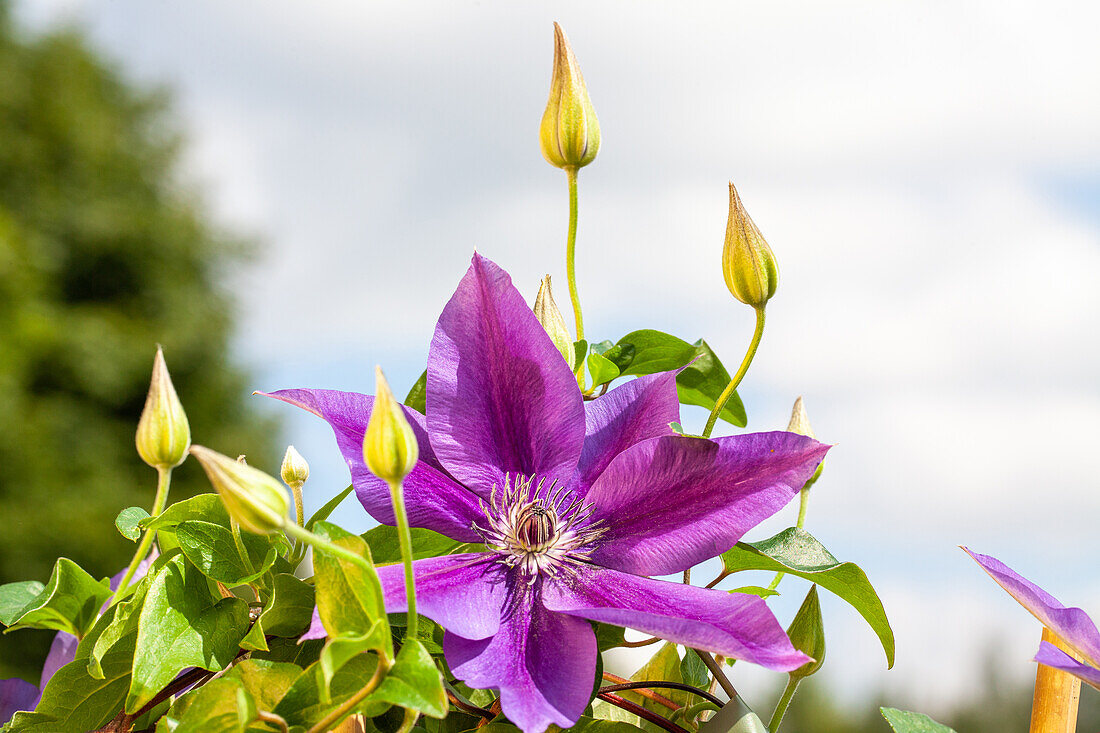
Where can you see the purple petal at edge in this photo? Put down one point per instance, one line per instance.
(433, 499)
(1052, 656)
(735, 625)
(1071, 624)
(500, 398)
(16, 695)
(670, 503)
(462, 593)
(632, 412)
(543, 663)
(62, 651)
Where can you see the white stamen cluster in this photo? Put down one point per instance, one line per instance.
(538, 532)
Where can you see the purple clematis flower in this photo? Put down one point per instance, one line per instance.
(577, 503)
(1072, 625)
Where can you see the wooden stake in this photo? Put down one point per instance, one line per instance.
(1054, 708)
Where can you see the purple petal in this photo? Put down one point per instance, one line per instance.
(500, 398)
(735, 625)
(433, 499)
(1072, 625)
(62, 651)
(670, 503)
(462, 593)
(632, 412)
(316, 628)
(16, 695)
(1052, 656)
(543, 663)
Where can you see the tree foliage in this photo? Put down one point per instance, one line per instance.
(104, 252)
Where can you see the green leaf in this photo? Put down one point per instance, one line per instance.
(14, 597)
(211, 549)
(182, 625)
(73, 700)
(204, 507)
(621, 355)
(324, 512)
(128, 520)
(609, 636)
(580, 348)
(693, 671)
(756, 590)
(795, 551)
(417, 396)
(699, 384)
(290, 608)
(664, 666)
(906, 722)
(349, 596)
(303, 703)
(603, 370)
(216, 707)
(122, 622)
(69, 602)
(385, 548)
(592, 725)
(339, 649)
(703, 382)
(266, 681)
(414, 682)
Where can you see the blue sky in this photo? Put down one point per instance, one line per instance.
(927, 173)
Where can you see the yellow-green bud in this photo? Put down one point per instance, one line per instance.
(389, 446)
(295, 470)
(255, 500)
(569, 133)
(163, 434)
(546, 310)
(747, 261)
(800, 423)
(807, 633)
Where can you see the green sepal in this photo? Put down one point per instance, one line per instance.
(796, 552)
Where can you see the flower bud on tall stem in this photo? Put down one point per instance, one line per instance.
(163, 434)
(391, 452)
(570, 132)
(748, 264)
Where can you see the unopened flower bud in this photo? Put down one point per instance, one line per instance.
(389, 446)
(163, 434)
(800, 423)
(569, 133)
(747, 261)
(255, 500)
(546, 310)
(295, 470)
(807, 633)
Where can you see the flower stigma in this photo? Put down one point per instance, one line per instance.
(536, 528)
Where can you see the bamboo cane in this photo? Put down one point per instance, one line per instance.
(1054, 708)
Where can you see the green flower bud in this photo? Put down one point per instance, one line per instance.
(389, 446)
(255, 500)
(800, 423)
(747, 261)
(546, 310)
(569, 133)
(163, 434)
(807, 632)
(295, 470)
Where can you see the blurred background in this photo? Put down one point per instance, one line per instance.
(285, 194)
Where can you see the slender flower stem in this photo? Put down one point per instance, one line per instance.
(164, 480)
(803, 504)
(571, 251)
(405, 539)
(299, 509)
(719, 675)
(239, 542)
(783, 704)
(728, 392)
(330, 720)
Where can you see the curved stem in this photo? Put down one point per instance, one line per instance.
(405, 539)
(783, 704)
(728, 391)
(408, 721)
(571, 250)
(324, 545)
(625, 684)
(641, 712)
(239, 542)
(164, 480)
(643, 642)
(349, 705)
(718, 674)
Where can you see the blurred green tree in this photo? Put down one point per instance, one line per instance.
(104, 252)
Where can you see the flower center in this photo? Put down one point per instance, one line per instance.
(538, 529)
